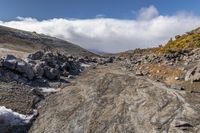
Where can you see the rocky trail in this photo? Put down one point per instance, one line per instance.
(109, 99)
(48, 85)
(48, 92)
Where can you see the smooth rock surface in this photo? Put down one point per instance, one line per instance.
(109, 100)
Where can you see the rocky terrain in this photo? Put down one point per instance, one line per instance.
(26, 82)
(117, 101)
(154, 90)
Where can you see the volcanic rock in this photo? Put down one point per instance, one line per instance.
(9, 62)
(36, 56)
(51, 73)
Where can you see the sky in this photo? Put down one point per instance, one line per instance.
(104, 25)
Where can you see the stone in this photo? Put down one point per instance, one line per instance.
(177, 36)
(22, 80)
(38, 93)
(21, 66)
(9, 62)
(82, 60)
(25, 68)
(48, 58)
(138, 73)
(177, 87)
(177, 78)
(193, 74)
(39, 71)
(65, 74)
(145, 72)
(51, 73)
(5, 128)
(36, 56)
(73, 68)
(18, 65)
(65, 66)
(9, 76)
(29, 72)
(70, 77)
(109, 60)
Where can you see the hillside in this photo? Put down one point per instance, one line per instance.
(155, 90)
(23, 41)
(151, 90)
(189, 40)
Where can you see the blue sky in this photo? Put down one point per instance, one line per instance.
(104, 25)
(123, 9)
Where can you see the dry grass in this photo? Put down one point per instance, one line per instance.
(164, 73)
(14, 43)
(19, 54)
(190, 40)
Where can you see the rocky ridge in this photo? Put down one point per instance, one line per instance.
(33, 79)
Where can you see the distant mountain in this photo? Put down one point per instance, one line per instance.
(24, 41)
(98, 51)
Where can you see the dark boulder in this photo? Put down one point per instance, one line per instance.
(25, 68)
(36, 56)
(9, 62)
(39, 69)
(18, 66)
(51, 73)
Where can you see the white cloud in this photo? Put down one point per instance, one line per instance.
(113, 35)
(148, 13)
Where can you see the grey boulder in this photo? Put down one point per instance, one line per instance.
(39, 69)
(51, 73)
(36, 56)
(193, 74)
(9, 62)
(25, 68)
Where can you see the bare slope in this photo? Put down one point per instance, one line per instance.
(30, 41)
(110, 100)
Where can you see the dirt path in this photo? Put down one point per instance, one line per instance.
(108, 99)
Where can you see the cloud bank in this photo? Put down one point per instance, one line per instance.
(149, 29)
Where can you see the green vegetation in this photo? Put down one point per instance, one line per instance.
(187, 41)
(190, 40)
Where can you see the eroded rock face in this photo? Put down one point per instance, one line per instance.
(193, 74)
(108, 100)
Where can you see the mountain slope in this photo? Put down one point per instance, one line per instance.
(24, 41)
(139, 92)
(189, 40)
(114, 101)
